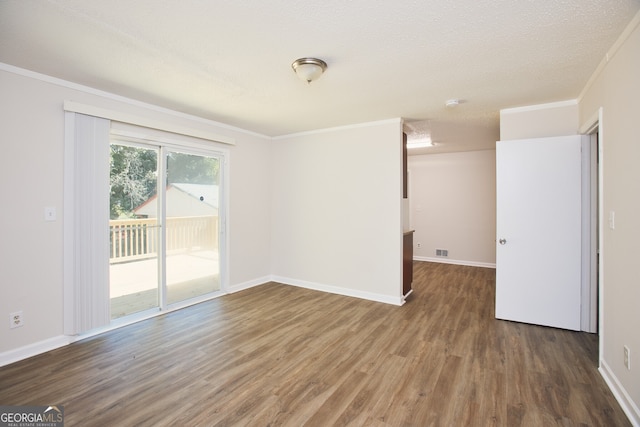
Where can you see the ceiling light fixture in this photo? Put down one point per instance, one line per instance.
(452, 103)
(309, 69)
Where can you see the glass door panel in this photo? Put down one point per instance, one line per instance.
(192, 203)
(133, 230)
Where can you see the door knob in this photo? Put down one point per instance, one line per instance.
(502, 241)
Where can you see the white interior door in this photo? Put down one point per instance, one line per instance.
(538, 254)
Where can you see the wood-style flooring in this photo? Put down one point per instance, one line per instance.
(279, 355)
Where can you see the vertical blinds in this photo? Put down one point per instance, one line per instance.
(86, 223)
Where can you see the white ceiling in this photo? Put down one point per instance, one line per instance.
(230, 60)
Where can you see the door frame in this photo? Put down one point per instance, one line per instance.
(595, 129)
(589, 214)
(189, 146)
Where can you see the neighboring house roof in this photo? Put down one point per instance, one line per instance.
(184, 199)
(207, 194)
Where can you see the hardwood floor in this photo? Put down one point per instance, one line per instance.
(279, 355)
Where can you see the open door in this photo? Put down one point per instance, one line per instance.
(539, 231)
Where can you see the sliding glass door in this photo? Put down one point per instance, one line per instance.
(164, 232)
(134, 230)
(192, 205)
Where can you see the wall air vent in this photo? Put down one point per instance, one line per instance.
(442, 252)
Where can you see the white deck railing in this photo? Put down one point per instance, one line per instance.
(133, 239)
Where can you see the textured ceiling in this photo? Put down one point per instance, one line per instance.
(229, 61)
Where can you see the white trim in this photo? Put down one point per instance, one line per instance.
(455, 261)
(601, 252)
(119, 116)
(339, 128)
(630, 409)
(34, 349)
(590, 126)
(387, 299)
(404, 297)
(588, 282)
(635, 21)
(630, 28)
(247, 285)
(559, 104)
(224, 242)
(159, 137)
(596, 121)
(316, 287)
(161, 207)
(86, 89)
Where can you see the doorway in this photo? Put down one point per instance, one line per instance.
(591, 217)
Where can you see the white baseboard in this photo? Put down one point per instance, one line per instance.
(387, 299)
(629, 407)
(317, 287)
(246, 285)
(34, 349)
(455, 261)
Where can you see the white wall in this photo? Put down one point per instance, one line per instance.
(31, 176)
(539, 121)
(336, 210)
(616, 89)
(452, 200)
(250, 215)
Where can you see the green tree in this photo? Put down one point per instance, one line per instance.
(132, 179)
(134, 173)
(192, 169)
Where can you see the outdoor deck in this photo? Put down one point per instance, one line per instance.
(192, 261)
(134, 285)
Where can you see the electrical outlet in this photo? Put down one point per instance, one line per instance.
(16, 320)
(627, 358)
(419, 245)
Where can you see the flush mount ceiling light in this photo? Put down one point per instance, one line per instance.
(452, 103)
(309, 69)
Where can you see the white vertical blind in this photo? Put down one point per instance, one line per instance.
(86, 223)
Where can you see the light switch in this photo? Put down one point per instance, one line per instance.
(49, 213)
(612, 220)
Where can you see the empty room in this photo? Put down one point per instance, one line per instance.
(342, 213)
